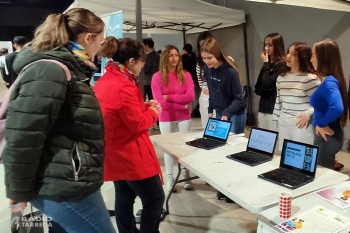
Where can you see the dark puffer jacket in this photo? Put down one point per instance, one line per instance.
(54, 130)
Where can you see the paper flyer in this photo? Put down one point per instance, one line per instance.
(316, 220)
(338, 195)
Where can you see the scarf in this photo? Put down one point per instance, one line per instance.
(122, 69)
(82, 57)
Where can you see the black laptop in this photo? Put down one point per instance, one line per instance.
(215, 135)
(260, 148)
(297, 167)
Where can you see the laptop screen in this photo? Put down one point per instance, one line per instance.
(262, 140)
(217, 129)
(299, 156)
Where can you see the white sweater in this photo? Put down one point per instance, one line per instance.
(293, 95)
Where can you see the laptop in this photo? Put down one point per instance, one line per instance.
(297, 167)
(260, 148)
(215, 135)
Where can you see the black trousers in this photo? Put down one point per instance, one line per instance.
(148, 91)
(151, 193)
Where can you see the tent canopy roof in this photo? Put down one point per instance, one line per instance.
(168, 16)
(337, 5)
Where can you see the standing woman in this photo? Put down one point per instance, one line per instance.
(131, 161)
(173, 89)
(294, 88)
(329, 101)
(54, 133)
(273, 57)
(204, 97)
(225, 90)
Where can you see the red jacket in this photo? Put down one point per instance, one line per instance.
(130, 154)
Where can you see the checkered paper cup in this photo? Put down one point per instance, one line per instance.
(285, 205)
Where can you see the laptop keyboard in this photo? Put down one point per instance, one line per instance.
(288, 175)
(252, 156)
(208, 143)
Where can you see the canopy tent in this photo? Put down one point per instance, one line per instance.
(168, 16)
(336, 5)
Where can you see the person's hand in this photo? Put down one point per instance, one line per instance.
(224, 118)
(303, 121)
(187, 106)
(210, 114)
(154, 109)
(19, 206)
(165, 97)
(324, 131)
(264, 56)
(155, 104)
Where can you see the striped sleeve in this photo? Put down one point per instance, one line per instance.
(277, 108)
(201, 79)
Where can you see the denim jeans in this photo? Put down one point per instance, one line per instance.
(238, 122)
(80, 214)
(151, 193)
(328, 150)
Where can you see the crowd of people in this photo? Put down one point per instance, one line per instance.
(64, 138)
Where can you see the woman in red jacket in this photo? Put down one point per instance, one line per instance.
(131, 162)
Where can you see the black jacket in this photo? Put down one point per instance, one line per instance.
(151, 67)
(11, 77)
(265, 87)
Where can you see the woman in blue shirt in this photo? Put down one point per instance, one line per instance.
(329, 101)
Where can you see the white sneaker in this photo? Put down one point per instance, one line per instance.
(188, 184)
(170, 182)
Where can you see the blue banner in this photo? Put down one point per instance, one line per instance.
(114, 28)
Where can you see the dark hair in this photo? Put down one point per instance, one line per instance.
(122, 50)
(278, 46)
(304, 54)
(188, 48)
(149, 42)
(58, 29)
(329, 63)
(4, 51)
(20, 40)
(203, 36)
(159, 51)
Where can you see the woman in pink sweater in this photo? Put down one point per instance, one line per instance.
(172, 87)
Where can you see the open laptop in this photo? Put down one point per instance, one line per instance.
(260, 148)
(215, 135)
(297, 167)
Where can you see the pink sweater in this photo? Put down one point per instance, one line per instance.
(173, 109)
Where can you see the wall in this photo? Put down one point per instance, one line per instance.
(294, 24)
(161, 40)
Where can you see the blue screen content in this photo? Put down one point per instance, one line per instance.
(218, 129)
(300, 156)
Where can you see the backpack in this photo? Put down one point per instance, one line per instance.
(6, 100)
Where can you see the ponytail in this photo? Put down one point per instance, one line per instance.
(58, 29)
(109, 47)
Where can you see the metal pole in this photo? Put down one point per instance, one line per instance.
(250, 114)
(184, 35)
(138, 21)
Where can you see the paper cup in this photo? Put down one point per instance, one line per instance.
(285, 205)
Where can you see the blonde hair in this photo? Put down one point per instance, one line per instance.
(164, 63)
(58, 29)
(211, 46)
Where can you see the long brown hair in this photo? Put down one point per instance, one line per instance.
(164, 69)
(211, 46)
(122, 50)
(278, 47)
(304, 54)
(58, 29)
(329, 63)
(203, 36)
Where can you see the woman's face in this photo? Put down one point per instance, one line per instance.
(209, 59)
(292, 59)
(135, 66)
(93, 44)
(268, 46)
(314, 58)
(173, 58)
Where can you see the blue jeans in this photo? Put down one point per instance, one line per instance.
(151, 193)
(78, 214)
(238, 122)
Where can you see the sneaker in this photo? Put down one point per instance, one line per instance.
(188, 184)
(338, 166)
(170, 182)
(156, 127)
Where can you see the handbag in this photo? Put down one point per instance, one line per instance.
(29, 223)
